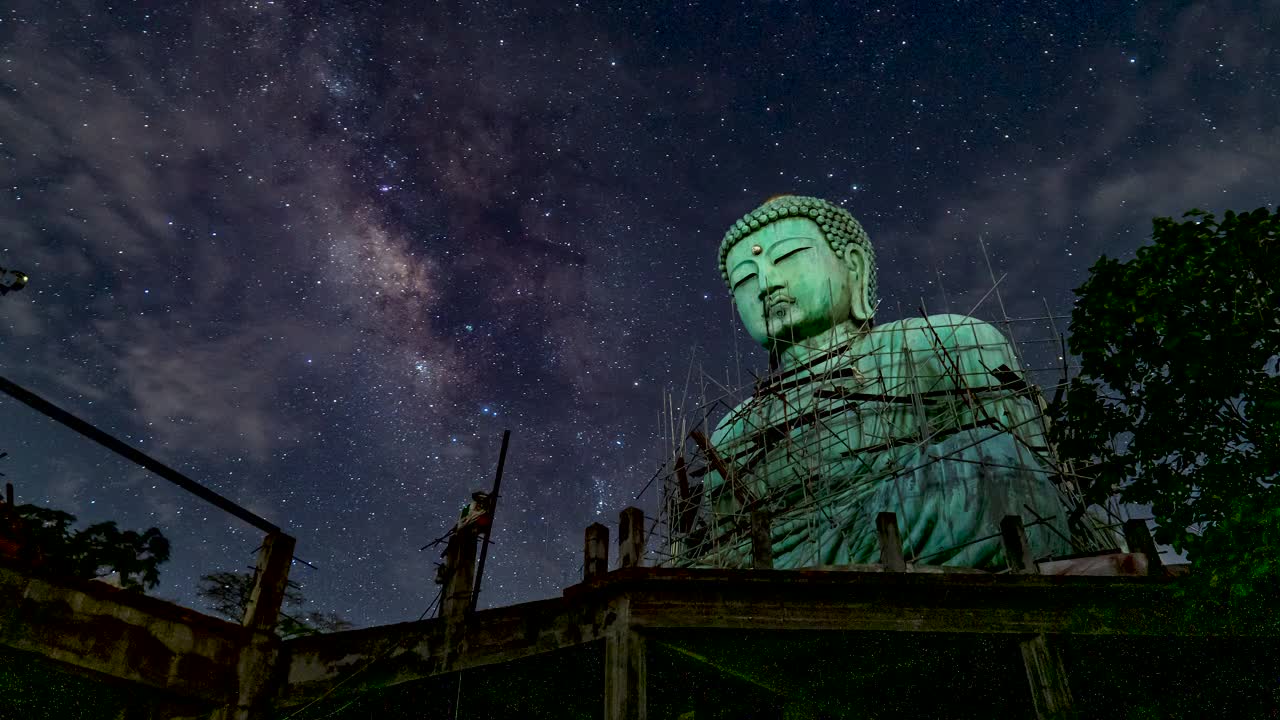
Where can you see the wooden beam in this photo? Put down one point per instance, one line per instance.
(269, 581)
(595, 553)
(890, 542)
(1113, 564)
(1047, 677)
(130, 452)
(625, 670)
(897, 602)
(672, 600)
(741, 614)
(1138, 536)
(761, 540)
(631, 538)
(1017, 551)
(342, 664)
(745, 497)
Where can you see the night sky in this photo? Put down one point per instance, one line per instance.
(319, 255)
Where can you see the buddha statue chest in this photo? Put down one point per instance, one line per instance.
(815, 431)
(792, 432)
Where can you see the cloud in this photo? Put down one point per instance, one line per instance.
(218, 395)
(20, 317)
(1193, 175)
(135, 200)
(1213, 152)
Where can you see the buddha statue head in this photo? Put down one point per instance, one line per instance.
(798, 268)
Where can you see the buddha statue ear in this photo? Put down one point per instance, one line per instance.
(861, 307)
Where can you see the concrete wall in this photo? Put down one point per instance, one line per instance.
(93, 627)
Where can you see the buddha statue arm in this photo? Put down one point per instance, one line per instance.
(714, 540)
(971, 370)
(985, 458)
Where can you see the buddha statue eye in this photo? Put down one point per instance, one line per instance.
(743, 280)
(791, 253)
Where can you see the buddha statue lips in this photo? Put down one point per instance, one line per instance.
(773, 301)
(776, 308)
(913, 417)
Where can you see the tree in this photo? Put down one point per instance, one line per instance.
(1177, 402)
(44, 538)
(228, 595)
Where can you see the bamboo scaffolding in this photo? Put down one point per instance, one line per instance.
(714, 537)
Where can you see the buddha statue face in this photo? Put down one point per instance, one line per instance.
(789, 285)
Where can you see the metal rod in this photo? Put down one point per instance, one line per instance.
(493, 510)
(50, 410)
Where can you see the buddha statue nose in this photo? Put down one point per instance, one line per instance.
(768, 286)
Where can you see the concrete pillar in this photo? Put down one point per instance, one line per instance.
(460, 574)
(270, 578)
(1047, 678)
(625, 670)
(256, 666)
(631, 538)
(595, 553)
(257, 673)
(890, 542)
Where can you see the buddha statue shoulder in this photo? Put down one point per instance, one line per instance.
(926, 417)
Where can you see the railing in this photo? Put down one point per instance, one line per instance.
(1013, 537)
(271, 573)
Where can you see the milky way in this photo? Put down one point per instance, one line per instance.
(317, 256)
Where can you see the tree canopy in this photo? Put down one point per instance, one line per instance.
(228, 595)
(45, 538)
(1177, 402)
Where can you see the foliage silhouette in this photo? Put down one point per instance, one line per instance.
(1177, 403)
(228, 595)
(44, 538)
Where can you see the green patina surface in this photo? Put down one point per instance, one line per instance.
(927, 417)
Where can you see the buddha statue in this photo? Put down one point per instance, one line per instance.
(929, 417)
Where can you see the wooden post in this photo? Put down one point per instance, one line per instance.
(744, 496)
(625, 670)
(1138, 536)
(267, 595)
(595, 560)
(631, 537)
(687, 506)
(761, 540)
(890, 542)
(488, 531)
(1047, 677)
(1017, 550)
(460, 575)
